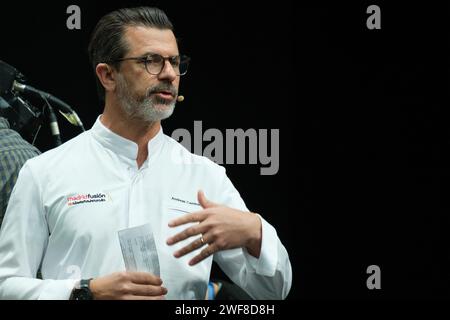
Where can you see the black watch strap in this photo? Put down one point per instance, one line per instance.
(82, 291)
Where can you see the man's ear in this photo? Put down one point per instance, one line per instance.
(106, 76)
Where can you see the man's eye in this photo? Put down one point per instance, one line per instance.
(155, 59)
(175, 62)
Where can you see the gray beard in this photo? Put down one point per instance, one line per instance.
(146, 109)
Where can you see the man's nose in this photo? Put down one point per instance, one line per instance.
(167, 73)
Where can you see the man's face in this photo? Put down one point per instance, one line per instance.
(144, 96)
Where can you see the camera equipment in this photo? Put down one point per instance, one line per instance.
(22, 115)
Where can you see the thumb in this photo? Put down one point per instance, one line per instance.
(205, 203)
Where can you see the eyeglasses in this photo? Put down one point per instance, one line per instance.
(154, 63)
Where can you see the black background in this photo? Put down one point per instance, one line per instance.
(362, 114)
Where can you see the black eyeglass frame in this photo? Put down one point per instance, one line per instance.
(145, 60)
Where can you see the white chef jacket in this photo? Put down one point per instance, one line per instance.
(69, 203)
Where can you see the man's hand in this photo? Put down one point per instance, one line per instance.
(219, 227)
(128, 286)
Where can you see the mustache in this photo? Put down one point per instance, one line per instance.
(162, 87)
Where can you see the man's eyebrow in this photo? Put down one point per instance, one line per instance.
(152, 53)
(148, 54)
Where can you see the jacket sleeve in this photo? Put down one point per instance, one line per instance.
(23, 240)
(266, 277)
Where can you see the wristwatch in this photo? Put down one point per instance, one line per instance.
(81, 291)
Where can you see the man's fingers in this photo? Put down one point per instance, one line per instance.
(194, 245)
(197, 216)
(147, 290)
(132, 297)
(186, 233)
(143, 278)
(205, 253)
(205, 203)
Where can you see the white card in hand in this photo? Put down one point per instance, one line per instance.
(139, 249)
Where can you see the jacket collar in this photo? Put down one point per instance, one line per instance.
(123, 146)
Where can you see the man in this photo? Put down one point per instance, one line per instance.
(14, 151)
(70, 202)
